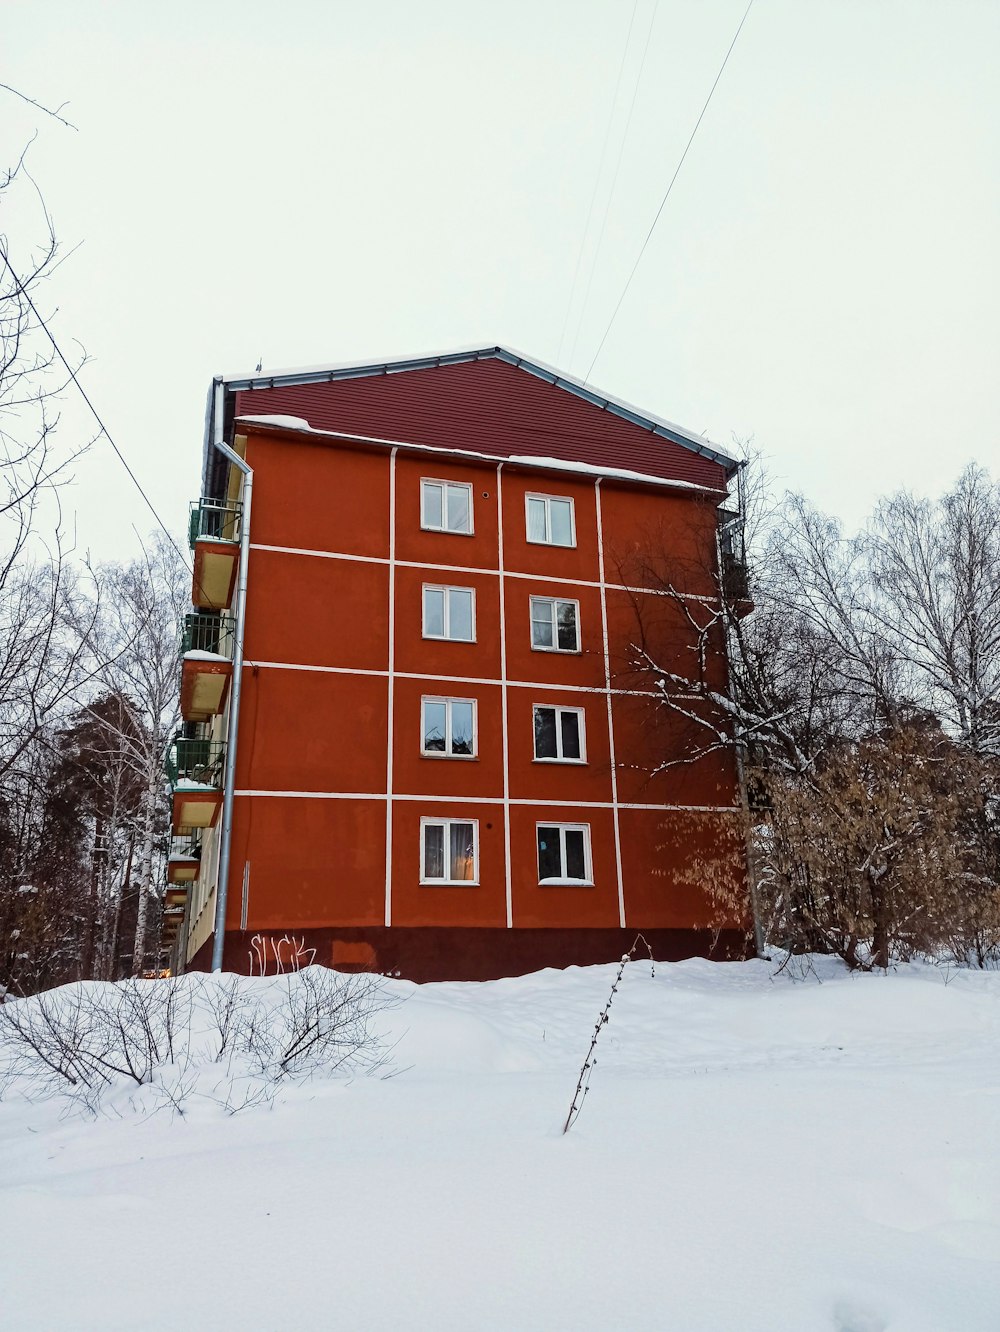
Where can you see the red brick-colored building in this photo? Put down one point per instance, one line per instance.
(439, 769)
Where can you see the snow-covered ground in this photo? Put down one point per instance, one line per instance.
(755, 1153)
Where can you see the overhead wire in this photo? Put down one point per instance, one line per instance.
(614, 182)
(666, 196)
(23, 291)
(597, 179)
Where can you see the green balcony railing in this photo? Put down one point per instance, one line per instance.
(204, 632)
(195, 760)
(212, 518)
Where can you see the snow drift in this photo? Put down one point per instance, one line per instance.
(756, 1152)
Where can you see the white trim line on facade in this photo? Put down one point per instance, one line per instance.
(429, 799)
(496, 682)
(390, 686)
(611, 720)
(508, 868)
(329, 670)
(484, 572)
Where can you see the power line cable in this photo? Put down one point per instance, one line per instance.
(614, 182)
(673, 178)
(23, 291)
(597, 181)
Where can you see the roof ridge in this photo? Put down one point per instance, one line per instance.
(688, 439)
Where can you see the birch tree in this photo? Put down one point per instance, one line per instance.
(137, 646)
(935, 577)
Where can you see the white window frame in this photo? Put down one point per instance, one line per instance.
(448, 700)
(432, 820)
(547, 541)
(448, 587)
(588, 863)
(555, 602)
(558, 709)
(448, 531)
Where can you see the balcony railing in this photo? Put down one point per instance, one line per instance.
(187, 845)
(196, 760)
(735, 579)
(205, 632)
(213, 519)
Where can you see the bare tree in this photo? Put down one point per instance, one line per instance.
(42, 667)
(861, 692)
(37, 674)
(136, 647)
(934, 570)
(32, 377)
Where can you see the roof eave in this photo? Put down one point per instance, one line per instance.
(264, 425)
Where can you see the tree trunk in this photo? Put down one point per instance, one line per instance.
(880, 925)
(88, 951)
(112, 963)
(145, 873)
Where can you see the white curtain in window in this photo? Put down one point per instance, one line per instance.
(536, 520)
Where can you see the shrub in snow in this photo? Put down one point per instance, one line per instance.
(228, 1040)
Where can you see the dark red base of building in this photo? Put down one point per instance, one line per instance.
(461, 953)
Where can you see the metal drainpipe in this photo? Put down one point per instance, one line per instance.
(740, 752)
(229, 782)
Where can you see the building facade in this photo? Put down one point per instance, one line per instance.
(441, 767)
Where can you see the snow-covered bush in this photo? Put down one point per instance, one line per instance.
(231, 1040)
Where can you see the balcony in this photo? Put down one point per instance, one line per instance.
(214, 536)
(171, 923)
(183, 865)
(735, 578)
(195, 769)
(207, 644)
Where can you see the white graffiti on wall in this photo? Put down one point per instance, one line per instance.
(270, 956)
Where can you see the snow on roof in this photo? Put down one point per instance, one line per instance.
(521, 459)
(356, 369)
(292, 422)
(591, 469)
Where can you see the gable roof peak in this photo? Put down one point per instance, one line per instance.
(688, 439)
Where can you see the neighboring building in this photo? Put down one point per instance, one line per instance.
(439, 771)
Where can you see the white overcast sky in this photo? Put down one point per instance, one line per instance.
(317, 181)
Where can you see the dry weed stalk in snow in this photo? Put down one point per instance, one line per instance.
(590, 1062)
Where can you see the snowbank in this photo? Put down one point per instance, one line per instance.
(756, 1152)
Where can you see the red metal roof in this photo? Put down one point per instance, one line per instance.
(487, 405)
